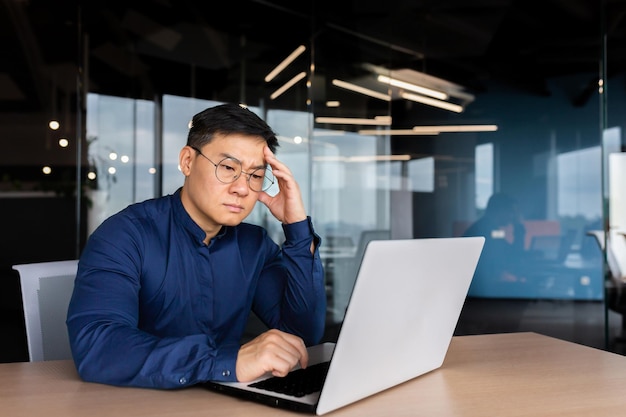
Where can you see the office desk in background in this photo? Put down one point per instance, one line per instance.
(486, 375)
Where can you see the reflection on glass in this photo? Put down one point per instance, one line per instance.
(544, 258)
(351, 199)
(422, 175)
(503, 257)
(483, 166)
(118, 126)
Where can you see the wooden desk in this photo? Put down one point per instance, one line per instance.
(517, 374)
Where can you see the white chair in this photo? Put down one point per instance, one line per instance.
(615, 244)
(618, 249)
(615, 253)
(46, 291)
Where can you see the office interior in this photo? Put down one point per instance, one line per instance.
(400, 119)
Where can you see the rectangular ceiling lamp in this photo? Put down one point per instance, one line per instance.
(379, 158)
(396, 132)
(376, 121)
(361, 90)
(413, 87)
(412, 77)
(429, 130)
(458, 128)
(433, 102)
(280, 67)
(365, 158)
(287, 85)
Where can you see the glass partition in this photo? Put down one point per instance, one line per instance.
(375, 160)
(121, 166)
(610, 234)
(513, 141)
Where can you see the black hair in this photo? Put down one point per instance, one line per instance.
(500, 203)
(225, 119)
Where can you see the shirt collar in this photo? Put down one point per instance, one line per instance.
(187, 222)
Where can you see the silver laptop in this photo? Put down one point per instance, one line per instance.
(398, 325)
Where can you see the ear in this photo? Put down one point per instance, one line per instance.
(186, 159)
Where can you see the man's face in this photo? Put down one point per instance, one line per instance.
(209, 202)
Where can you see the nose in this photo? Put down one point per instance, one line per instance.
(240, 185)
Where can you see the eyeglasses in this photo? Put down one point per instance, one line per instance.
(228, 170)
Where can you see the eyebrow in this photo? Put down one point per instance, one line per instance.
(226, 155)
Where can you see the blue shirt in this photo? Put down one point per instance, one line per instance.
(154, 306)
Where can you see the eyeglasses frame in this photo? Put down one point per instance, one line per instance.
(249, 175)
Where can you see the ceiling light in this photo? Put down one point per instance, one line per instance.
(396, 132)
(280, 67)
(413, 87)
(379, 158)
(376, 121)
(424, 80)
(361, 90)
(329, 133)
(365, 158)
(288, 85)
(429, 130)
(433, 102)
(458, 128)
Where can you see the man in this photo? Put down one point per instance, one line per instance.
(165, 287)
(503, 258)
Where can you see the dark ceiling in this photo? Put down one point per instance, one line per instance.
(141, 48)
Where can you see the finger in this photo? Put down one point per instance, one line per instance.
(281, 171)
(269, 352)
(300, 349)
(281, 366)
(264, 197)
(274, 162)
(290, 347)
(286, 180)
(267, 152)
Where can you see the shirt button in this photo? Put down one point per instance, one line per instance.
(226, 373)
(182, 380)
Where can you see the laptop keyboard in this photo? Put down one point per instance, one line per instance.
(297, 383)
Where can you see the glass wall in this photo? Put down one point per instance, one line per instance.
(121, 165)
(512, 141)
(610, 234)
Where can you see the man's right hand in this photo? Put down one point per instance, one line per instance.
(273, 351)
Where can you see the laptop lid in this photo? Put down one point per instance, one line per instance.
(398, 325)
(401, 316)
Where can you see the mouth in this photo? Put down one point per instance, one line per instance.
(234, 208)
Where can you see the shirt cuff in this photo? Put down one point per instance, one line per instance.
(295, 232)
(225, 365)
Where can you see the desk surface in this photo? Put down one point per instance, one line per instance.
(516, 374)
